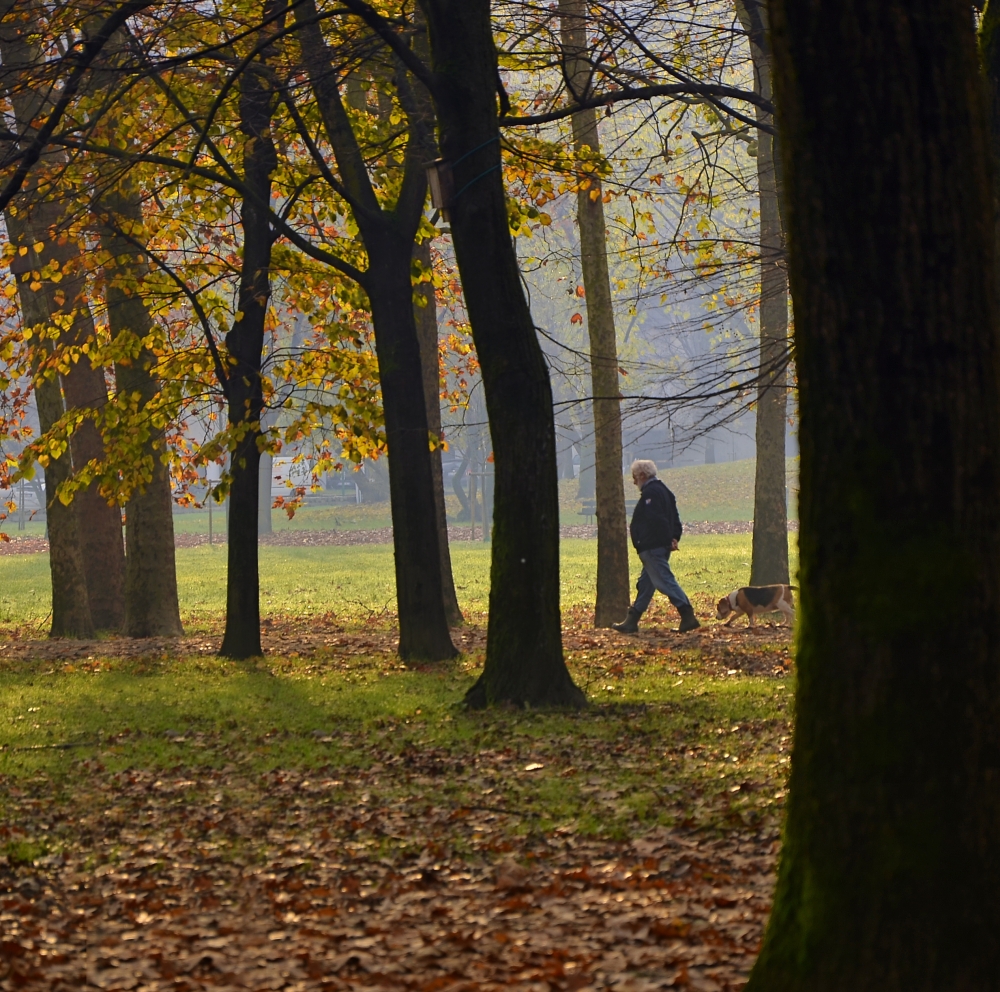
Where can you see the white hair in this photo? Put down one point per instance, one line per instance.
(644, 468)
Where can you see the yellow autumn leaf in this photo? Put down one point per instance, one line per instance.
(39, 246)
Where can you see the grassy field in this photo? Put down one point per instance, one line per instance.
(337, 819)
(357, 581)
(723, 491)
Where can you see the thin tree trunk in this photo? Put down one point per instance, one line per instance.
(769, 560)
(890, 866)
(613, 593)
(458, 487)
(150, 595)
(427, 335)
(266, 469)
(245, 345)
(524, 657)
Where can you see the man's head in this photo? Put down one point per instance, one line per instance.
(642, 471)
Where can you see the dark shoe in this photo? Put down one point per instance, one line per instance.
(688, 620)
(630, 625)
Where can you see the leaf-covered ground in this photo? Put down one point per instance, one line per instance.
(329, 820)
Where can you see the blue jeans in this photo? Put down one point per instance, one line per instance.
(656, 575)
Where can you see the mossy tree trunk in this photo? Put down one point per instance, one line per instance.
(769, 559)
(890, 866)
(613, 592)
(524, 658)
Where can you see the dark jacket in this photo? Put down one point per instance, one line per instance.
(655, 522)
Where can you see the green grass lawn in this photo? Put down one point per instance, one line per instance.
(268, 712)
(723, 491)
(354, 581)
(309, 794)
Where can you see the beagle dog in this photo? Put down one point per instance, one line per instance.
(756, 599)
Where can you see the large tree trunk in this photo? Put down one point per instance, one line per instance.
(70, 602)
(423, 626)
(245, 345)
(150, 595)
(769, 561)
(82, 536)
(427, 335)
(85, 388)
(890, 865)
(389, 241)
(613, 593)
(524, 658)
(103, 548)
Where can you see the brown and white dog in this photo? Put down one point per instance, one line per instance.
(756, 599)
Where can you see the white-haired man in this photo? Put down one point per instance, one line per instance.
(656, 530)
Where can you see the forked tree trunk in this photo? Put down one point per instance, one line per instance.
(100, 525)
(890, 867)
(150, 595)
(245, 346)
(388, 236)
(84, 541)
(613, 593)
(427, 334)
(769, 560)
(524, 657)
(70, 602)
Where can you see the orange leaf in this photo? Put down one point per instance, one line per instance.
(576, 319)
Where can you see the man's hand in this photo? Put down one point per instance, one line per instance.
(673, 545)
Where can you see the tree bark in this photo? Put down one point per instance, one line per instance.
(245, 345)
(423, 626)
(769, 560)
(83, 386)
(388, 236)
(613, 592)
(266, 469)
(989, 53)
(890, 865)
(151, 603)
(524, 658)
(103, 548)
(427, 337)
(70, 602)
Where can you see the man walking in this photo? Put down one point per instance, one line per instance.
(655, 529)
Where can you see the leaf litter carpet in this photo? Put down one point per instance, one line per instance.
(328, 879)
